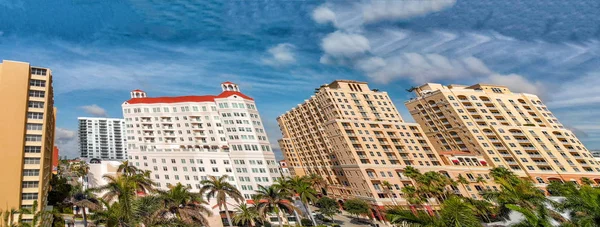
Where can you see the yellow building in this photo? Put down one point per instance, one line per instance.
(356, 139)
(27, 135)
(512, 130)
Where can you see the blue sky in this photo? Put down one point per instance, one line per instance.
(279, 51)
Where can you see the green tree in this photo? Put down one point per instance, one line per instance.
(127, 169)
(357, 207)
(587, 181)
(402, 217)
(387, 190)
(454, 212)
(328, 207)
(532, 218)
(246, 215)
(307, 194)
(272, 199)
(220, 189)
(463, 181)
(85, 200)
(583, 204)
(122, 190)
(187, 206)
(60, 190)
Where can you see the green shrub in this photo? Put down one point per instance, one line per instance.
(306, 222)
(77, 216)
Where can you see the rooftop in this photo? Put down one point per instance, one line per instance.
(178, 99)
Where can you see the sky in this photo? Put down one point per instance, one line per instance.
(279, 51)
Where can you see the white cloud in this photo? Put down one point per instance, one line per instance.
(94, 110)
(323, 15)
(517, 83)
(341, 44)
(282, 54)
(584, 91)
(394, 9)
(66, 141)
(421, 68)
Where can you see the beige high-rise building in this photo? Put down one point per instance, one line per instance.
(512, 130)
(356, 139)
(26, 135)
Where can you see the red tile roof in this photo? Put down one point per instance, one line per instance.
(138, 90)
(226, 94)
(227, 82)
(204, 98)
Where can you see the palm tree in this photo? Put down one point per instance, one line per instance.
(110, 216)
(306, 194)
(532, 218)
(480, 180)
(8, 217)
(583, 203)
(412, 195)
(127, 169)
(401, 217)
(121, 189)
(221, 189)
(316, 180)
(287, 185)
(411, 172)
(463, 181)
(187, 206)
(587, 181)
(246, 215)
(81, 169)
(85, 200)
(387, 189)
(454, 212)
(272, 199)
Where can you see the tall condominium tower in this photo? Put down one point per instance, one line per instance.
(27, 136)
(102, 138)
(187, 138)
(355, 138)
(513, 130)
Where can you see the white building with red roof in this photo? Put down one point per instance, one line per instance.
(184, 139)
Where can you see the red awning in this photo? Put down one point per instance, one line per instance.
(455, 161)
(483, 162)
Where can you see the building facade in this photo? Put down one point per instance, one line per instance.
(512, 130)
(102, 138)
(27, 135)
(188, 138)
(356, 139)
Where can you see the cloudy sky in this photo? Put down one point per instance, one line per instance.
(279, 51)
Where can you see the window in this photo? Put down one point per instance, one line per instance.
(37, 83)
(36, 71)
(32, 161)
(37, 94)
(33, 149)
(33, 115)
(30, 184)
(31, 172)
(34, 127)
(36, 104)
(33, 137)
(29, 196)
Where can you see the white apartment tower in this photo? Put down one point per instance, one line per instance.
(187, 138)
(102, 138)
